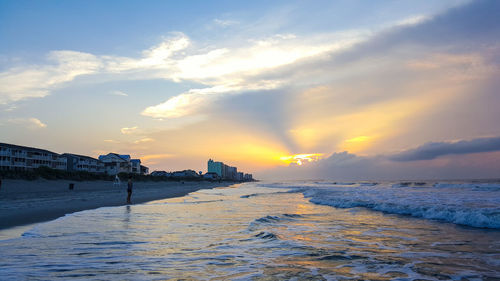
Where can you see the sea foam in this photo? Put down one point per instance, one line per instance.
(470, 204)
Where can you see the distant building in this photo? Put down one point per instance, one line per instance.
(231, 172)
(247, 177)
(122, 163)
(115, 163)
(216, 167)
(185, 174)
(23, 158)
(135, 165)
(211, 176)
(144, 170)
(161, 174)
(77, 162)
(226, 172)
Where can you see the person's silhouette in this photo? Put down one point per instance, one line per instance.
(129, 189)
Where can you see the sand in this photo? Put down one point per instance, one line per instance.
(26, 202)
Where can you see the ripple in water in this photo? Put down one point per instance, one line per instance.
(225, 234)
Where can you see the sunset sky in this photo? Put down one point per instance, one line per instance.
(280, 89)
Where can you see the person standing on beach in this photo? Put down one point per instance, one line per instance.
(129, 189)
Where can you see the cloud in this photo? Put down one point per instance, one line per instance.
(225, 23)
(156, 156)
(434, 150)
(296, 61)
(36, 81)
(143, 140)
(33, 123)
(348, 166)
(194, 100)
(129, 131)
(176, 58)
(118, 93)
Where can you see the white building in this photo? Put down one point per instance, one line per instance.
(122, 163)
(116, 163)
(144, 170)
(83, 163)
(135, 165)
(23, 158)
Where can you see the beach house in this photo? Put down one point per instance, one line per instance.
(161, 174)
(144, 170)
(211, 176)
(135, 165)
(24, 158)
(115, 163)
(84, 163)
(186, 174)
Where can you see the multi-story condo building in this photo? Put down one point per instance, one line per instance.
(24, 158)
(247, 177)
(231, 172)
(216, 167)
(83, 163)
(224, 171)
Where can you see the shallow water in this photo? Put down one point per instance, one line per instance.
(252, 232)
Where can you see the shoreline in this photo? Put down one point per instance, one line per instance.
(28, 202)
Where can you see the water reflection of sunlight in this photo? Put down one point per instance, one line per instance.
(221, 233)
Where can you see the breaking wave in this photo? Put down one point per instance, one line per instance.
(469, 204)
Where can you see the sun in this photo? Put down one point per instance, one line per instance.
(301, 159)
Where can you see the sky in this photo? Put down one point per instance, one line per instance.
(281, 89)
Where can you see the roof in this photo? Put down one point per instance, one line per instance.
(81, 156)
(124, 157)
(26, 148)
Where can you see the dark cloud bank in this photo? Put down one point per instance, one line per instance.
(410, 164)
(433, 150)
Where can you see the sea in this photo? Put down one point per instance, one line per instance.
(297, 230)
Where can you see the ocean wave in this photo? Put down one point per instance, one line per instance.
(410, 184)
(482, 186)
(455, 211)
(368, 183)
(267, 235)
(268, 219)
(273, 219)
(469, 203)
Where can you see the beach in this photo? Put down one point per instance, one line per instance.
(25, 202)
(271, 231)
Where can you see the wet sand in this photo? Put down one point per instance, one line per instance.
(25, 202)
